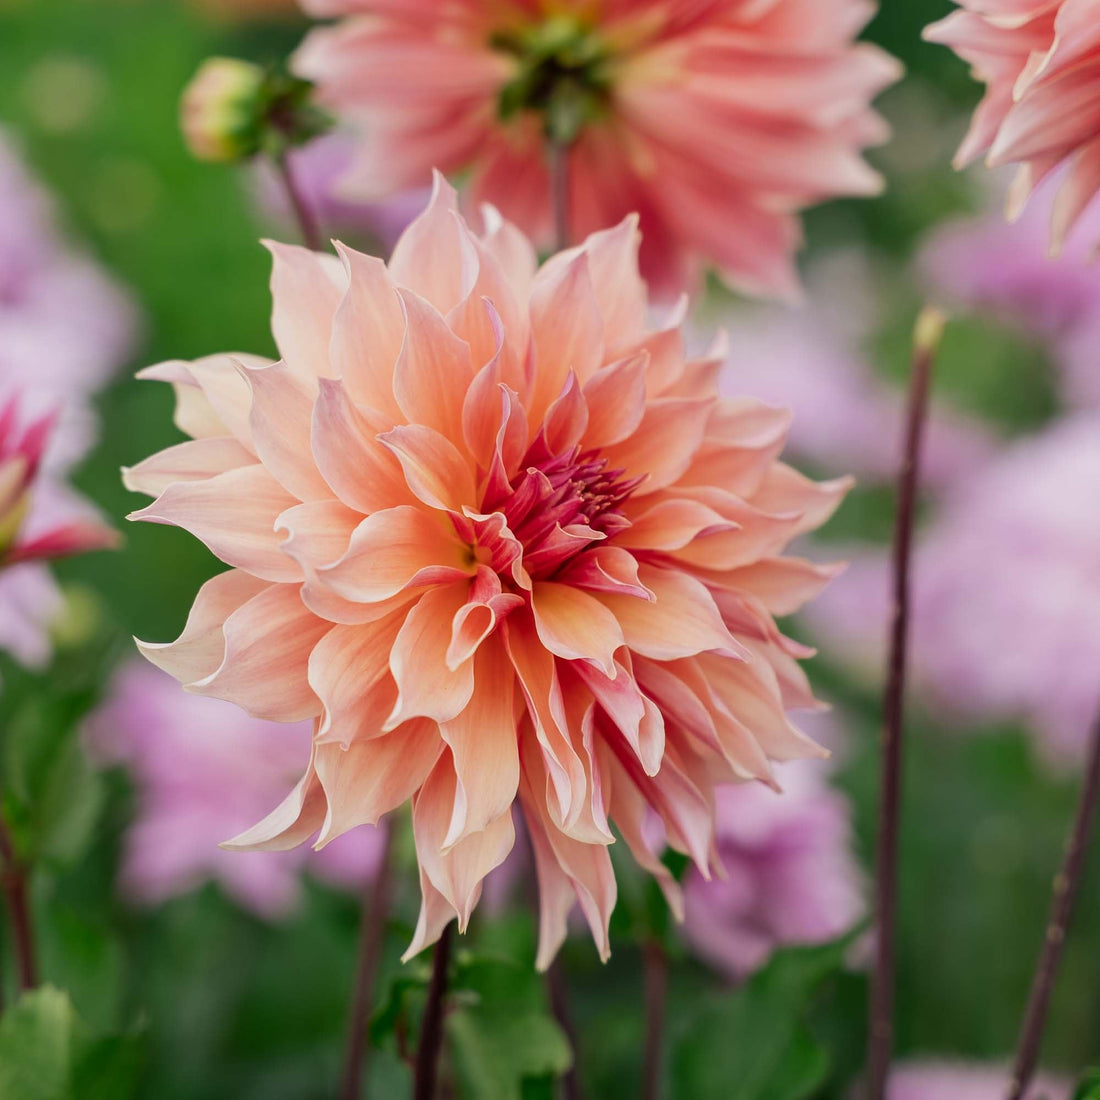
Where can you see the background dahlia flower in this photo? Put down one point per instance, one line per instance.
(1040, 62)
(508, 549)
(202, 770)
(717, 122)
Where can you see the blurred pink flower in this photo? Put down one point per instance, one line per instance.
(944, 1080)
(64, 328)
(204, 770)
(811, 360)
(317, 169)
(791, 874)
(988, 264)
(716, 122)
(1015, 640)
(506, 544)
(1040, 62)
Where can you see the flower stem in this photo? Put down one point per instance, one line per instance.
(558, 990)
(307, 221)
(14, 879)
(376, 904)
(1066, 885)
(880, 1039)
(431, 1026)
(656, 991)
(558, 155)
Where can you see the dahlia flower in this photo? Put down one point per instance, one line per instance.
(203, 769)
(505, 546)
(1040, 62)
(718, 122)
(791, 875)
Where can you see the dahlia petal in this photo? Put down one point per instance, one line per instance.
(306, 289)
(482, 740)
(682, 621)
(426, 686)
(511, 249)
(671, 524)
(1079, 189)
(368, 331)
(199, 650)
(371, 777)
(434, 469)
(433, 370)
(234, 515)
(362, 472)
(634, 715)
(493, 424)
(456, 872)
(576, 626)
(318, 534)
(435, 914)
(664, 443)
(620, 293)
(281, 419)
(485, 607)
(195, 460)
(606, 569)
(291, 823)
(435, 258)
(566, 328)
(267, 645)
(349, 670)
(784, 585)
(615, 398)
(395, 549)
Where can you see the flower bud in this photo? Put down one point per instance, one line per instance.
(222, 110)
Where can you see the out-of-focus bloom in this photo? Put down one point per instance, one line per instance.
(508, 548)
(844, 417)
(964, 1081)
(204, 769)
(21, 449)
(716, 122)
(988, 265)
(317, 168)
(64, 327)
(221, 110)
(791, 876)
(1025, 508)
(1040, 62)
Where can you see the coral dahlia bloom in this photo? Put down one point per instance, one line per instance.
(1040, 62)
(507, 548)
(717, 121)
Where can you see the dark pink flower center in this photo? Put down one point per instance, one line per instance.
(560, 504)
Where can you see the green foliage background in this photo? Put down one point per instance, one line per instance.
(225, 1006)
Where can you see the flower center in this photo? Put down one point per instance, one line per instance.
(562, 73)
(560, 504)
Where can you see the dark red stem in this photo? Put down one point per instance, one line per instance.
(431, 1025)
(13, 874)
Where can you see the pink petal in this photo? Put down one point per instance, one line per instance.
(575, 626)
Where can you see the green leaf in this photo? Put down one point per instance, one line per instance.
(754, 1043)
(505, 1044)
(1089, 1086)
(47, 1053)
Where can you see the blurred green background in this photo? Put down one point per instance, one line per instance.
(232, 1007)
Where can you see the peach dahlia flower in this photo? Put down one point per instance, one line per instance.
(508, 549)
(718, 121)
(1040, 62)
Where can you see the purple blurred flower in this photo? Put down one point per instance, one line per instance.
(1007, 592)
(809, 359)
(318, 168)
(963, 1081)
(1005, 269)
(64, 328)
(204, 771)
(791, 875)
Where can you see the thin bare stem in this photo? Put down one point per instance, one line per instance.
(656, 992)
(14, 878)
(880, 1038)
(431, 1026)
(1066, 885)
(558, 989)
(558, 154)
(372, 936)
(308, 225)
